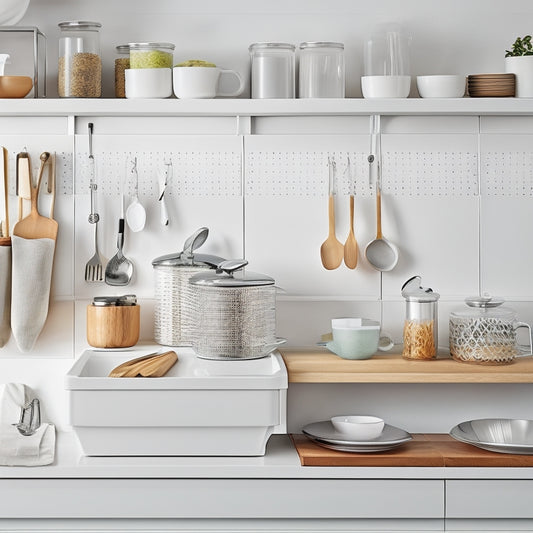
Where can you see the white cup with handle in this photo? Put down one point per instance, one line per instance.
(203, 82)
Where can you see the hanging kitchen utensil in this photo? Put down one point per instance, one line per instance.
(236, 313)
(94, 269)
(52, 183)
(164, 179)
(380, 253)
(33, 245)
(135, 214)
(24, 181)
(119, 269)
(350, 246)
(5, 256)
(174, 314)
(332, 250)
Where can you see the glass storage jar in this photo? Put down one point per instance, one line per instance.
(122, 62)
(273, 70)
(485, 332)
(420, 332)
(322, 71)
(151, 55)
(80, 64)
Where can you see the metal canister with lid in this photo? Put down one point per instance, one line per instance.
(420, 332)
(485, 332)
(174, 317)
(113, 321)
(236, 313)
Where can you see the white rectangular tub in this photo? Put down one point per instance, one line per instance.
(199, 408)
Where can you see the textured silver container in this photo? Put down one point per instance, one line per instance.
(174, 314)
(236, 313)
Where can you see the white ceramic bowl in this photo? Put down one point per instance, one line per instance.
(445, 86)
(358, 427)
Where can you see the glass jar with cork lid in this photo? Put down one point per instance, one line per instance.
(80, 64)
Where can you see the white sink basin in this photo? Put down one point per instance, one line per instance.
(200, 407)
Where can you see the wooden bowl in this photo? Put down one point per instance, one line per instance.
(15, 86)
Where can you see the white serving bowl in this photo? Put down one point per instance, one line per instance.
(148, 82)
(441, 86)
(358, 427)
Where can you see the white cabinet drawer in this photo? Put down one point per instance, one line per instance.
(489, 498)
(221, 498)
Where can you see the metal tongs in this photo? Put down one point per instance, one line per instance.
(30, 418)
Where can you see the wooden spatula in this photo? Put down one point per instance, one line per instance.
(154, 364)
(35, 226)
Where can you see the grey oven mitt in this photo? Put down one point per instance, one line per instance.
(30, 293)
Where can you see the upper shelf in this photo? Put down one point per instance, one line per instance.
(275, 107)
(317, 366)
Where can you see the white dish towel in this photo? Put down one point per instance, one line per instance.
(16, 449)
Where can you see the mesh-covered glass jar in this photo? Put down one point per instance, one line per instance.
(485, 332)
(79, 64)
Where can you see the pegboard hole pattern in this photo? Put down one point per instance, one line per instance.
(507, 174)
(64, 172)
(404, 174)
(194, 173)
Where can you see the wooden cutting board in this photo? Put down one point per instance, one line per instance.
(431, 450)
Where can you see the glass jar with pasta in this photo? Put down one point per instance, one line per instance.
(420, 332)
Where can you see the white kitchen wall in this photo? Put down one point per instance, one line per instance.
(274, 212)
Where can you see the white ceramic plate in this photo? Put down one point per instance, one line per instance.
(501, 435)
(326, 433)
(356, 448)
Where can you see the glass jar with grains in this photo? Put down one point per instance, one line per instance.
(80, 64)
(122, 62)
(151, 55)
(420, 335)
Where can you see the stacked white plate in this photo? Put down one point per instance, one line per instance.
(324, 434)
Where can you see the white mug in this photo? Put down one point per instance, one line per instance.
(203, 82)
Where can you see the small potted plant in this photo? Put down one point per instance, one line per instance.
(519, 61)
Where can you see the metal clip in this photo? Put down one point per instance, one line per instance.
(30, 418)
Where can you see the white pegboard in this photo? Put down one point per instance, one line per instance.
(507, 174)
(194, 173)
(404, 173)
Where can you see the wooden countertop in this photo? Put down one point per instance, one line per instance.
(308, 365)
(425, 450)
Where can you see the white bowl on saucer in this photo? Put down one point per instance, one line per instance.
(358, 427)
(441, 86)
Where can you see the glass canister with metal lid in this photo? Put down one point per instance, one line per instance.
(236, 313)
(80, 63)
(174, 315)
(420, 332)
(485, 332)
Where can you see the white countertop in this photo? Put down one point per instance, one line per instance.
(280, 462)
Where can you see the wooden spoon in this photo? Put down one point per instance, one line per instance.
(350, 247)
(35, 226)
(332, 250)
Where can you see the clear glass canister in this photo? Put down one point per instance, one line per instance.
(485, 332)
(322, 70)
(80, 64)
(420, 332)
(151, 55)
(122, 62)
(273, 70)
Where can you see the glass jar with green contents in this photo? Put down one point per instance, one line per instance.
(151, 55)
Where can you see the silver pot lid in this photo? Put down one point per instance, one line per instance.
(230, 274)
(412, 291)
(187, 257)
(485, 302)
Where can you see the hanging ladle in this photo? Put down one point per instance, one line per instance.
(380, 253)
(136, 214)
